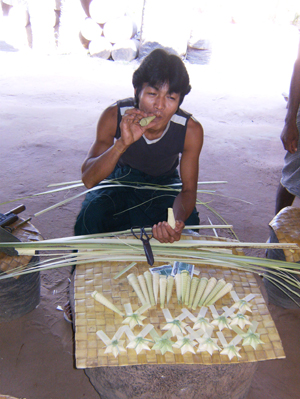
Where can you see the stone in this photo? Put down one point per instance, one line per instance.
(125, 50)
(100, 48)
(198, 56)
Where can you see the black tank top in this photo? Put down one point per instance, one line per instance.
(156, 158)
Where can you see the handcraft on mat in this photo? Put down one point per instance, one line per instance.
(91, 316)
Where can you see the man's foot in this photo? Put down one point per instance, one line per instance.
(68, 312)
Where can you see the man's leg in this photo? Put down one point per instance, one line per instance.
(283, 198)
(98, 212)
(193, 219)
(151, 206)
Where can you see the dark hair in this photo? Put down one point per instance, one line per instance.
(158, 68)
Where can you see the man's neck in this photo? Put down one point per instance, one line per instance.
(156, 135)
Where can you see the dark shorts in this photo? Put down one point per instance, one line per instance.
(120, 208)
(291, 170)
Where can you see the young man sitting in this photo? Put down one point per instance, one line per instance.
(143, 156)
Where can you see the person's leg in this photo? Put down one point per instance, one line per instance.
(283, 198)
(193, 219)
(289, 185)
(151, 206)
(100, 212)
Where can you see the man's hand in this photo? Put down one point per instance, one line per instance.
(131, 130)
(163, 232)
(289, 137)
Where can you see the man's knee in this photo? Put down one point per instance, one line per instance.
(102, 213)
(94, 211)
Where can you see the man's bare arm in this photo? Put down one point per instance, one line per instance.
(290, 135)
(105, 152)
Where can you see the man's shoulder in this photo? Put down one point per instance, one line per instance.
(125, 104)
(181, 117)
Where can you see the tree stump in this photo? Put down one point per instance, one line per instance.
(184, 381)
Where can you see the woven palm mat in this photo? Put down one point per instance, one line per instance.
(26, 232)
(91, 316)
(286, 225)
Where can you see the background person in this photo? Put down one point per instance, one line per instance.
(289, 186)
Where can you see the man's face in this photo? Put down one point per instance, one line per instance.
(160, 102)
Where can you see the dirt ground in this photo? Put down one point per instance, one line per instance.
(49, 109)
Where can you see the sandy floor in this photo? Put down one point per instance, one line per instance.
(49, 110)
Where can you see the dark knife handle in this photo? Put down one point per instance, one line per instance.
(6, 220)
(16, 210)
(10, 217)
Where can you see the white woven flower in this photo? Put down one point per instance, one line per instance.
(204, 324)
(164, 345)
(241, 320)
(185, 344)
(221, 322)
(115, 347)
(139, 344)
(251, 338)
(176, 326)
(242, 305)
(200, 321)
(208, 344)
(134, 319)
(231, 351)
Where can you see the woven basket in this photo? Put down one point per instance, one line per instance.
(285, 229)
(286, 225)
(19, 296)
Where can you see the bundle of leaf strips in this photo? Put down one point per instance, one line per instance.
(128, 184)
(103, 248)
